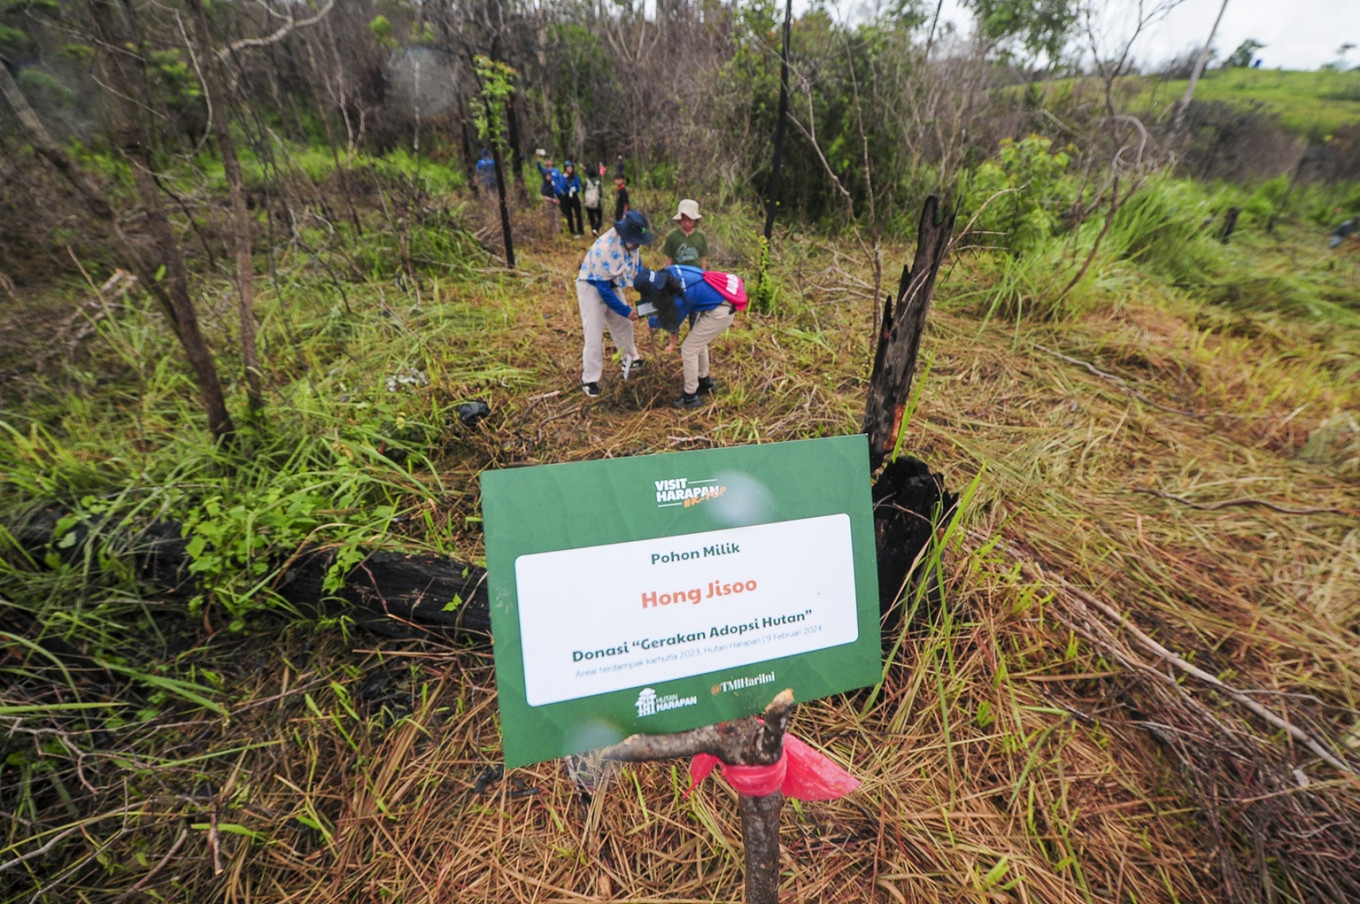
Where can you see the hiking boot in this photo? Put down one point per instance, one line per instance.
(688, 400)
(707, 385)
(591, 389)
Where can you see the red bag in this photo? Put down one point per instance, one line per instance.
(729, 286)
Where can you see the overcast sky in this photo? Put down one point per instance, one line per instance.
(1298, 34)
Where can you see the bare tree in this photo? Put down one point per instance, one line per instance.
(117, 62)
(1178, 120)
(210, 64)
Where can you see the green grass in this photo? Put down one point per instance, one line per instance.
(1007, 744)
(1312, 104)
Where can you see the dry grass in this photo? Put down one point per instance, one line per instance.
(1138, 478)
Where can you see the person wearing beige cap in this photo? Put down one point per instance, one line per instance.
(686, 245)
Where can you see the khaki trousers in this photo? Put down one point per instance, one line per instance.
(694, 350)
(595, 316)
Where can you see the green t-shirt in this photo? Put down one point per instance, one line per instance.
(686, 249)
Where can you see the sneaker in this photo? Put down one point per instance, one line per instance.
(707, 385)
(688, 400)
(638, 364)
(591, 389)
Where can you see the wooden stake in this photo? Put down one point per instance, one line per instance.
(749, 741)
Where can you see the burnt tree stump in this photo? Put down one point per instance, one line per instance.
(899, 337)
(909, 501)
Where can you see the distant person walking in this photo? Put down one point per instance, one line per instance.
(621, 205)
(611, 263)
(592, 195)
(569, 198)
(486, 173)
(547, 187)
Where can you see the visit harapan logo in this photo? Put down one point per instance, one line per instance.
(649, 703)
(686, 491)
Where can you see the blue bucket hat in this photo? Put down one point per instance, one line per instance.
(633, 229)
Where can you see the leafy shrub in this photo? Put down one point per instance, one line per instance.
(433, 178)
(1018, 197)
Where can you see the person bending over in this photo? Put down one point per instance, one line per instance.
(714, 298)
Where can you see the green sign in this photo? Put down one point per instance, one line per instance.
(664, 592)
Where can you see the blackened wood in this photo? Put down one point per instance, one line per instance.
(777, 162)
(900, 337)
(1229, 224)
(388, 592)
(910, 503)
(399, 594)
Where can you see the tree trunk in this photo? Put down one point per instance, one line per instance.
(1178, 120)
(777, 163)
(506, 235)
(240, 218)
(38, 137)
(760, 840)
(176, 278)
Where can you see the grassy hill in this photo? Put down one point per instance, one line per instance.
(1311, 104)
(1146, 633)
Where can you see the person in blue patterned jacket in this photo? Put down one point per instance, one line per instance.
(611, 263)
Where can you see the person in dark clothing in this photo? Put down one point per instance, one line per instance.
(620, 197)
(569, 196)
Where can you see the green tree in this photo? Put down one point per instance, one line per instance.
(1242, 56)
(1038, 27)
(496, 84)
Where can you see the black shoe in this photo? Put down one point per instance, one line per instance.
(591, 389)
(707, 385)
(688, 400)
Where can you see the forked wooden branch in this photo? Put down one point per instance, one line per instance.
(742, 742)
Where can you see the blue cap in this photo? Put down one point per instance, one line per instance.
(633, 228)
(649, 281)
(567, 163)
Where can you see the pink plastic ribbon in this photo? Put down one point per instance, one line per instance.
(800, 772)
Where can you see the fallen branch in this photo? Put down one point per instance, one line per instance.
(1121, 621)
(1245, 500)
(1122, 384)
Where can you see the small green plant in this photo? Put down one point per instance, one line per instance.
(1018, 198)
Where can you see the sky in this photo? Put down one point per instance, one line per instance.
(1298, 34)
